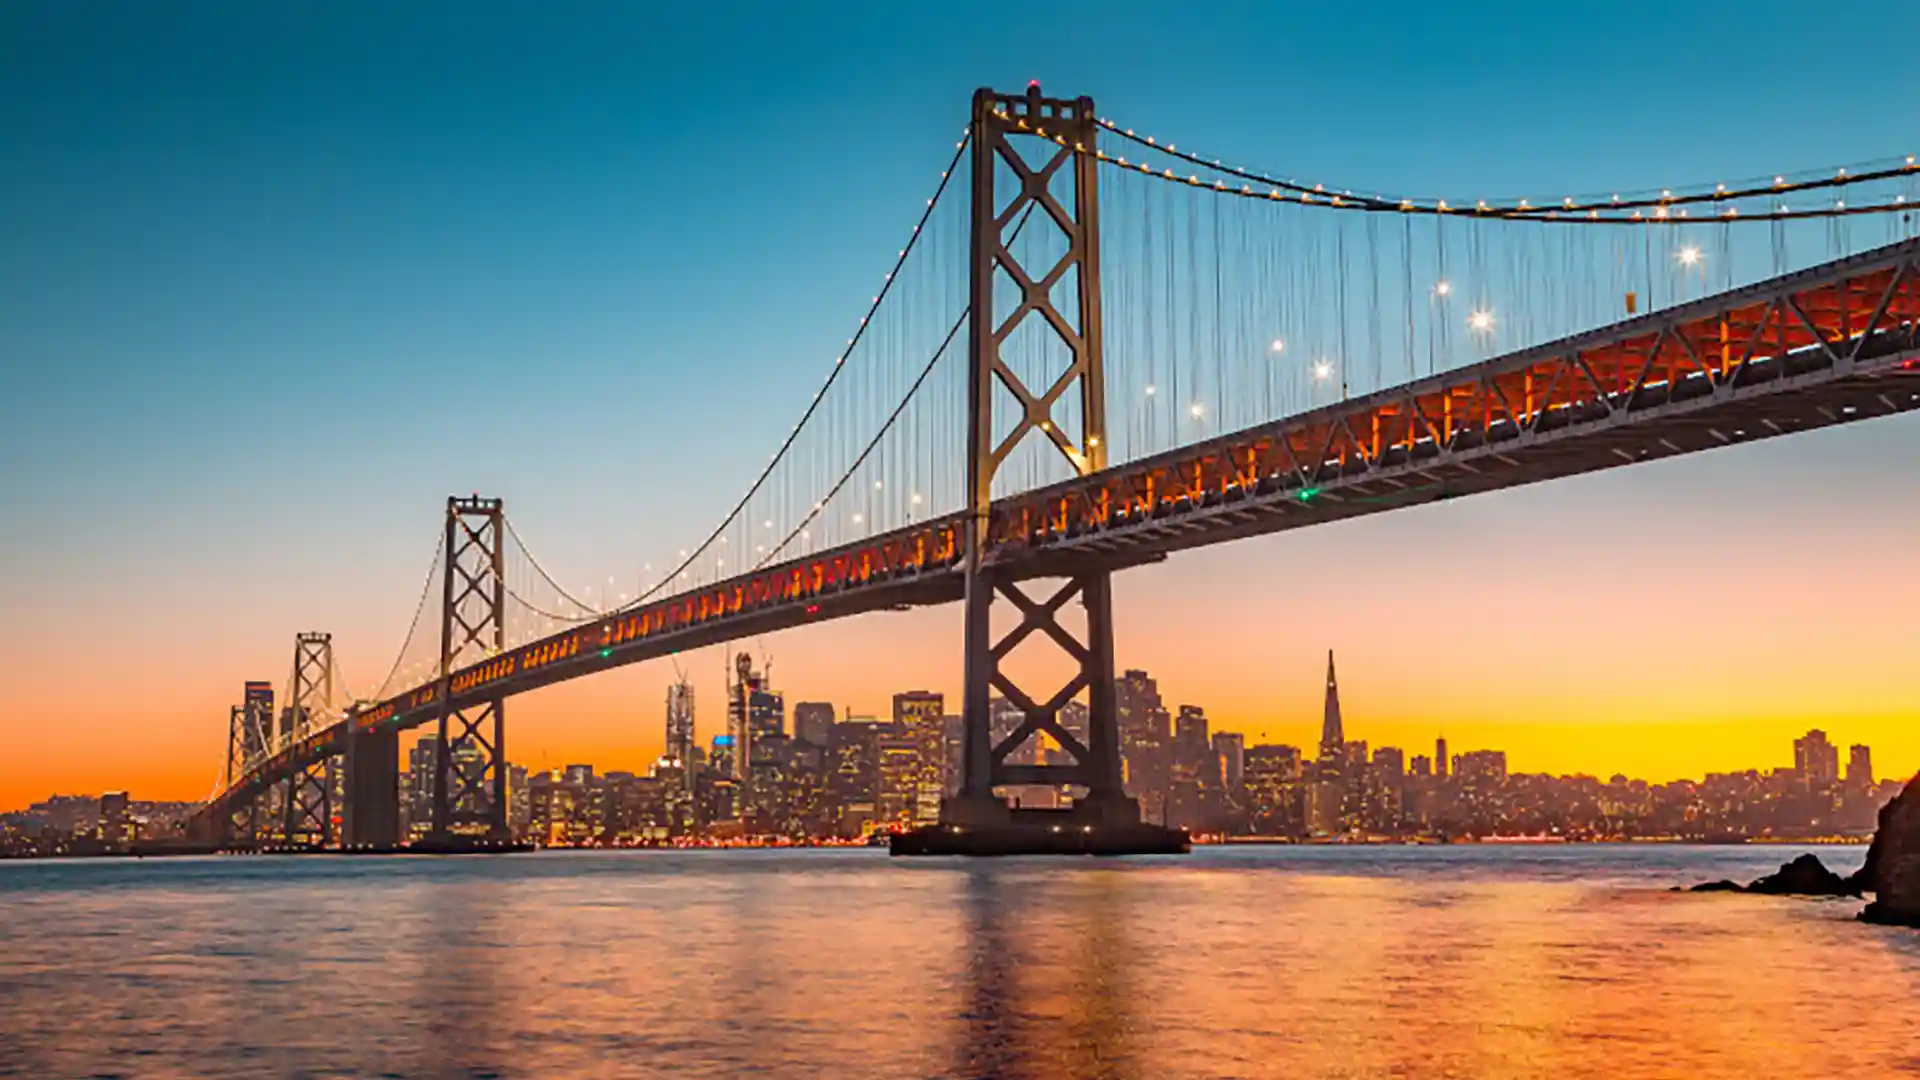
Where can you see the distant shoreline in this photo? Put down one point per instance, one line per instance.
(1237, 841)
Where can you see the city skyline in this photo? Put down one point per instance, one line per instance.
(231, 319)
(1332, 719)
(812, 774)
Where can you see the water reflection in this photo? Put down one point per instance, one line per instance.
(848, 965)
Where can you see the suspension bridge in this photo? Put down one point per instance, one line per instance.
(1098, 348)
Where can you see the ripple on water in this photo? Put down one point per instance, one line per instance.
(1244, 962)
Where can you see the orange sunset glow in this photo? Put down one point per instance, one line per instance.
(1663, 622)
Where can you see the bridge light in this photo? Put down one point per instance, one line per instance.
(1442, 288)
(1688, 256)
(857, 519)
(1322, 369)
(604, 653)
(1277, 346)
(1481, 321)
(1198, 410)
(1149, 389)
(1307, 494)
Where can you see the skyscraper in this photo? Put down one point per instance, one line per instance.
(1816, 760)
(1231, 747)
(680, 732)
(919, 716)
(1333, 734)
(1142, 720)
(853, 775)
(1192, 748)
(1440, 759)
(1859, 766)
(899, 772)
(754, 713)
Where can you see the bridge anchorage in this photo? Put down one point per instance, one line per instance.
(1005, 297)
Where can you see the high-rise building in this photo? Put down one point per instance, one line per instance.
(116, 826)
(1231, 748)
(681, 739)
(1192, 748)
(754, 712)
(853, 776)
(1333, 735)
(1816, 760)
(1859, 766)
(418, 803)
(519, 811)
(1440, 758)
(899, 768)
(920, 717)
(1144, 737)
(258, 718)
(1274, 790)
(813, 722)
(1386, 790)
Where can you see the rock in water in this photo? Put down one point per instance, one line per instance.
(1892, 870)
(1805, 876)
(1722, 885)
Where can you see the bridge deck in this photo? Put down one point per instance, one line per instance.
(1829, 345)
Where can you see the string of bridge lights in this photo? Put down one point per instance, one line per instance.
(1666, 208)
(800, 531)
(1613, 210)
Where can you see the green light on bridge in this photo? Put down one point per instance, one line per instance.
(604, 653)
(1307, 494)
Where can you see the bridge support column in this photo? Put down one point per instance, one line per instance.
(306, 799)
(307, 808)
(1007, 298)
(372, 811)
(470, 741)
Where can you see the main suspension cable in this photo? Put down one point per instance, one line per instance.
(1568, 210)
(893, 275)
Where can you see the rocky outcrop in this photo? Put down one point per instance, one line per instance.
(1805, 876)
(1892, 870)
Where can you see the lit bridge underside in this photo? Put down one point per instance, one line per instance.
(1829, 345)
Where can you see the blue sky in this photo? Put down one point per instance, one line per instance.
(276, 278)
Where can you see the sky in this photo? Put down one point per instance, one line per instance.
(276, 279)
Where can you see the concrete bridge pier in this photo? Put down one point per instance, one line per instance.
(372, 818)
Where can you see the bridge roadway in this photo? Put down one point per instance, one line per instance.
(1833, 344)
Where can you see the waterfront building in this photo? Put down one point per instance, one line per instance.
(919, 717)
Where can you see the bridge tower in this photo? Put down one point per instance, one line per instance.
(1004, 413)
(242, 822)
(470, 755)
(307, 802)
(249, 741)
